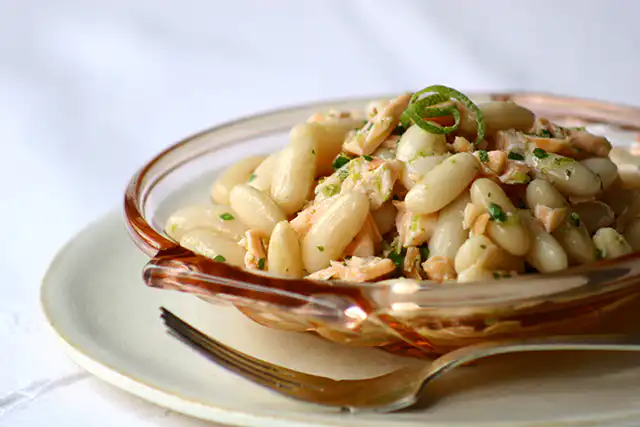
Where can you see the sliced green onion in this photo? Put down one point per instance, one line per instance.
(219, 258)
(420, 108)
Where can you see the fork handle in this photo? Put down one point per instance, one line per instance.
(464, 355)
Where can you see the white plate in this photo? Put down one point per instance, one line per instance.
(108, 320)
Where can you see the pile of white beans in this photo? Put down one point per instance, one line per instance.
(361, 198)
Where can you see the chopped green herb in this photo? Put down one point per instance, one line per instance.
(579, 128)
(340, 161)
(320, 248)
(499, 276)
(343, 174)
(424, 252)
(399, 130)
(483, 246)
(330, 190)
(540, 153)
(483, 155)
(496, 275)
(574, 219)
(397, 258)
(313, 152)
(368, 158)
(252, 177)
(395, 197)
(515, 156)
(600, 254)
(559, 161)
(545, 133)
(496, 213)
(348, 257)
(226, 216)
(489, 194)
(219, 258)
(568, 173)
(261, 263)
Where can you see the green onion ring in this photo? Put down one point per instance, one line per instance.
(418, 109)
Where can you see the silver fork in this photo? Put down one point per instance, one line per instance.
(386, 393)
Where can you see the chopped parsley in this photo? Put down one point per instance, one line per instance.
(226, 216)
(395, 197)
(483, 246)
(483, 155)
(397, 257)
(261, 263)
(540, 153)
(515, 156)
(559, 161)
(499, 276)
(600, 254)
(330, 190)
(219, 258)
(574, 219)
(496, 213)
(343, 174)
(545, 133)
(320, 248)
(399, 130)
(424, 252)
(252, 177)
(340, 161)
(568, 173)
(313, 152)
(367, 158)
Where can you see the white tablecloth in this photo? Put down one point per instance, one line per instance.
(89, 90)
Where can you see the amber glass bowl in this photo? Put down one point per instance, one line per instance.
(419, 319)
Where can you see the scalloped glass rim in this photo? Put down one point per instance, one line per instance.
(576, 283)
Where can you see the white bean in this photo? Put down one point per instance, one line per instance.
(256, 209)
(284, 255)
(545, 253)
(295, 170)
(210, 245)
(611, 244)
(385, 217)
(604, 168)
(414, 170)
(570, 177)
(219, 219)
(481, 251)
(262, 176)
(449, 234)
(416, 142)
(632, 234)
(509, 233)
(541, 192)
(575, 240)
(498, 115)
(442, 184)
(594, 214)
(333, 230)
(485, 192)
(238, 173)
(475, 273)
(328, 136)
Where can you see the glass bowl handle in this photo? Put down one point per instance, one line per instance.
(177, 268)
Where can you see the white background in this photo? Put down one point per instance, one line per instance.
(90, 89)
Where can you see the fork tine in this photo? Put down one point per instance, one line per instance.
(232, 359)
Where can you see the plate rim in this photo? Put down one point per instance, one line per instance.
(220, 414)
